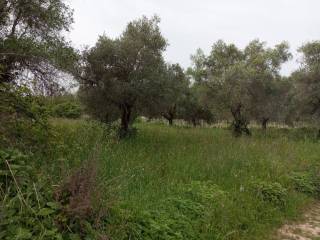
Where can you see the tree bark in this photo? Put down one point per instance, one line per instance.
(264, 123)
(125, 119)
(240, 123)
(5, 75)
(169, 116)
(194, 122)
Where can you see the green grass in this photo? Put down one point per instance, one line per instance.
(197, 183)
(160, 156)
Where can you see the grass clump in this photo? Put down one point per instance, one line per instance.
(307, 182)
(184, 215)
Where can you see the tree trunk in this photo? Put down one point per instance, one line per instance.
(264, 123)
(5, 76)
(240, 123)
(169, 116)
(194, 122)
(318, 135)
(125, 119)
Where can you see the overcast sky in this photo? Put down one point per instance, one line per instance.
(188, 24)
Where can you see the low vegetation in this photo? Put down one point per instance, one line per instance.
(163, 183)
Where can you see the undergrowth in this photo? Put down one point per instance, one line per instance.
(162, 183)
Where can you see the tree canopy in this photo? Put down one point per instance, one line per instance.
(246, 82)
(32, 40)
(307, 81)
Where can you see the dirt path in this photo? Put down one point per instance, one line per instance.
(307, 229)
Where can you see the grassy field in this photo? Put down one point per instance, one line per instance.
(200, 183)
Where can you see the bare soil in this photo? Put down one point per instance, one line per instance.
(307, 229)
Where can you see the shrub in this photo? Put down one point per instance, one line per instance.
(23, 119)
(67, 110)
(306, 182)
(188, 215)
(274, 193)
(82, 207)
(27, 208)
(31, 209)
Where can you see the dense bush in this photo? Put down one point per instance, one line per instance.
(185, 215)
(23, 119)
(53, 194)
(274, 192)
(35, 156)
(67, 110)
(27, 210)
(307, 182)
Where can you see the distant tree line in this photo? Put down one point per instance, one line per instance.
(125, 77)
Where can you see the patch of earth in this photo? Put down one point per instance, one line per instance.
(308, 229)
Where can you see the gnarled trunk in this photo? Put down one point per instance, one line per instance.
(170, 115)
(240, 123)
(264, 123)
(125, 119)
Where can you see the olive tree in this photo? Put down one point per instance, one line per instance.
(122, 74)
(307, 81)
(267, 90)
(229, 83)
(246, 82)
(193, 109)
(197, 71)
(174, 85)
(32, 41)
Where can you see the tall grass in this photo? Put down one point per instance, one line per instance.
(180, 182)
(161, 161)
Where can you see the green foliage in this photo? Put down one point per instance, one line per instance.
(67, 110)
(198, 69)
(243, 84)
(169, 95)
(307, 182)
(274, 193)
(307, 83)
(30, 185)
(29, 209)
(192, 109)
(184, 216)
(165, 183)
(26, 211)
(203, 183)
(23, 118)
(31, 40)
(134, 63)
(72, 179)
